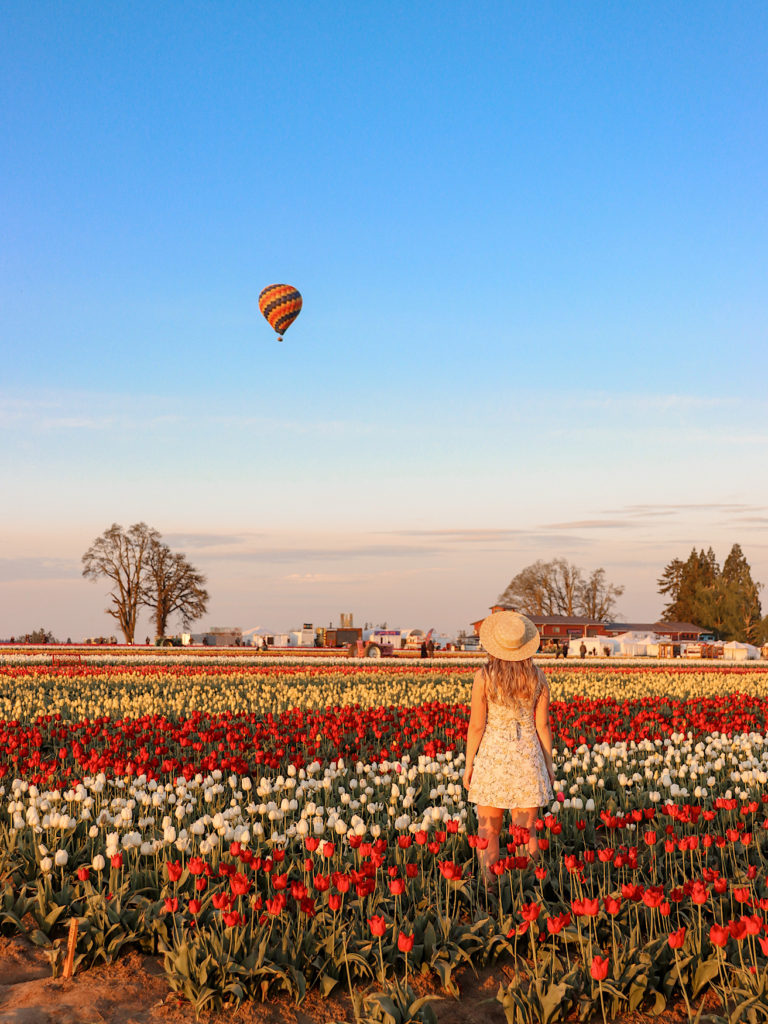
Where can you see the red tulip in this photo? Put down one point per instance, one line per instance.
(612, 904)
(405, 942)
(239, 885)
(718, 935)
(738, 929)
(449, 870)
(377, 924)
(753, 924)
(277, 905)
(530, 911)
(599, 968)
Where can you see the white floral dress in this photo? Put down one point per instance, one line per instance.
(509, 768)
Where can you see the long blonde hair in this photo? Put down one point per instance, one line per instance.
(509, 681)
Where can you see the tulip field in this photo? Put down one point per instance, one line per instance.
(273, 828)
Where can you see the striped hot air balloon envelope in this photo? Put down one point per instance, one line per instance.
(280, 304)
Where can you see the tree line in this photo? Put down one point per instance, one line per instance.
(145, 573)
(723, 601)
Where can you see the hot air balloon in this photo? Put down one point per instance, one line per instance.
(280, 304)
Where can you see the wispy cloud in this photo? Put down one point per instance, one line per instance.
(323, 577)
(321, 553)
(671, 509)
(479, 535)
(749, 522)
(588, 524)
(208, 540)
(501, 539)
(100, 411)
(38, 568)
(659, 402)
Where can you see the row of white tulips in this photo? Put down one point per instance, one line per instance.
(154, 818)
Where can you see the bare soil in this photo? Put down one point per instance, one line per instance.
(134, 990)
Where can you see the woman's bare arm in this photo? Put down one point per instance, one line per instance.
(544, 730)
(476, 726)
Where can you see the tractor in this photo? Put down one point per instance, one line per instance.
(370, 649)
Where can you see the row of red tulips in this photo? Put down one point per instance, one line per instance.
(153, 744)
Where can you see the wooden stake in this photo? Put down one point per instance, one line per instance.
(69, 963)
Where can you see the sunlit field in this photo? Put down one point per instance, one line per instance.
(276, 827)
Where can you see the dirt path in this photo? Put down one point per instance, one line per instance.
(135, 991)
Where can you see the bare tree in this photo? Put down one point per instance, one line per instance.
(545, 588)
(171, 586)
(531, 590)
(567, 584)
(559, 588)
(597, 598)
(120, 555)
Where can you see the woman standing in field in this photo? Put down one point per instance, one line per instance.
(509, 739)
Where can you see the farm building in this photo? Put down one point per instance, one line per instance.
(566, 627)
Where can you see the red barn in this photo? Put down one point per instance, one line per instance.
(566, 627)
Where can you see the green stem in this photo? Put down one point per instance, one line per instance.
(682, 988)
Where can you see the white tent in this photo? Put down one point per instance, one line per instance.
(637, 645)
(736, 651)
(596, 646)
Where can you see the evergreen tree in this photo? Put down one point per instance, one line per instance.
(683, 582)
(726, 602)
(742, 607)
(670, 582)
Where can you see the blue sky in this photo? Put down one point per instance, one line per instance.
(531, 240)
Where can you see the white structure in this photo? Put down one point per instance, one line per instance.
(304, 637)
(596, 646)
(637, 645)
(734, 651)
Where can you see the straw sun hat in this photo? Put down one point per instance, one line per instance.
(509, 636)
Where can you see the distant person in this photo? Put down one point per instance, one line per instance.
(423, 649)
(583, 650)
(430, 648)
